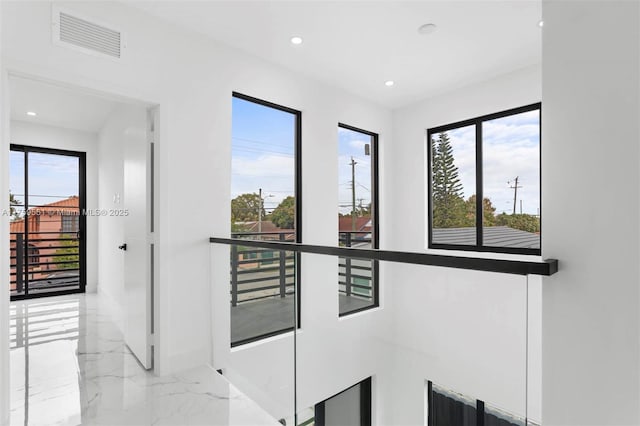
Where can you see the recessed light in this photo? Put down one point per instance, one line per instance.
(541, 23)
(389, 83)
(296, 40)
(427, 28)
(31, 114)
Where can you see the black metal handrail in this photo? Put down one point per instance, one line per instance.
(545, 267)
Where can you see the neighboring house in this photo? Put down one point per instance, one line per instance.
(363, 224)
(47, 224)
(268, 230)
(360, 236)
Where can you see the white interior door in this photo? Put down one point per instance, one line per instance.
(137, 203)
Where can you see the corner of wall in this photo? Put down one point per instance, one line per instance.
(4, 242)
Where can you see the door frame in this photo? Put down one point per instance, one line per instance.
(82, 224)
(132, 94)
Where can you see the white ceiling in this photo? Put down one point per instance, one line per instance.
(358, 45)
(58, 106)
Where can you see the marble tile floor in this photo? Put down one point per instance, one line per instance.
(70, 366)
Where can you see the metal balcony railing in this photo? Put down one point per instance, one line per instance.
(355, 275)
(261, 273)
(44, 261)
(258, 273)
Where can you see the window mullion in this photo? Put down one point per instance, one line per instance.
(479, 195)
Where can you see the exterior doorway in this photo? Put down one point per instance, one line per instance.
(48, 222)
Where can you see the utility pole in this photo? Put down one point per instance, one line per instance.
(353, 194)
(260, 211)
(520, 206)
(515, 193)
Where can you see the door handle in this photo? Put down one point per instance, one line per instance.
(123, 247)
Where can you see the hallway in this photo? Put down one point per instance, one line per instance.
(70, 366)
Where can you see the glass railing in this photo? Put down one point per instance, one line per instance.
(452, 338)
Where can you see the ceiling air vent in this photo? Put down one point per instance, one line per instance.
(79, 33)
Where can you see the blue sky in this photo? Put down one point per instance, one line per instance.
(51, 177)
(263, 147)
(351, 145)
(263, 144)
(510, 148)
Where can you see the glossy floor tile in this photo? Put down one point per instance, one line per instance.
(70, 366)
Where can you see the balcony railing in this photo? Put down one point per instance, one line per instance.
(47, 261)
(357, 277)
(258, 273)
(261, 273)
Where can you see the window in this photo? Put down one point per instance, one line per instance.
(484, 183)
(357, 217)
(352, 406)
(449, 408)
(70, 223)
(265, 205)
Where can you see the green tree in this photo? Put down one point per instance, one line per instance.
(70, 259)
(448, 203)
(13, 202)
(245, 207)
(523, 222)
(488, 212)
(284, 215)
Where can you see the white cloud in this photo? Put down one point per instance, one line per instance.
(358, 145)
(510, 149)
(275, 174)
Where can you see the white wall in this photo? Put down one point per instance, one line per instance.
(23, 133)
(408, 160)
(591, 308)
(192, 78)
(326, 344)
(4, 242)
(590, 318)
(464, 330)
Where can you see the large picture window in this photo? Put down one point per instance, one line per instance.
(484, 183)
(265, 205)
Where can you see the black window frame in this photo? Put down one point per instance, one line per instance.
(366, 416)
(480, 408)
(375, 217)
(82, 229)
(298, 212)
(477, 122)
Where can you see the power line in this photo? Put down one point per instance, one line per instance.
(359, 184)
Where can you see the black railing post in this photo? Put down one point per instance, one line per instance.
(347, 266)
(234, 275)
(283, 269)
(19, 263)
